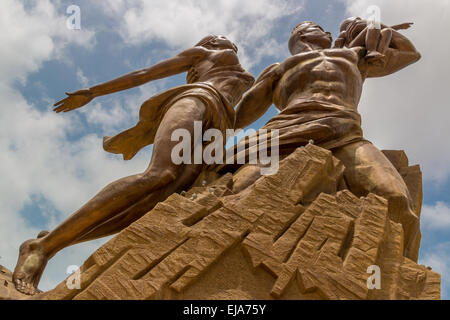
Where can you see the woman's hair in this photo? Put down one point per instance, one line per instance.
(301, 26)
(206, 40)
(192, 76)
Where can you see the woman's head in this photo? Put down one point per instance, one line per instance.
(307, 34)
(216, 42)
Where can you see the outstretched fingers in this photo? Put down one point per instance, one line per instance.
(63, 105)
(25, 287)
(60, 105)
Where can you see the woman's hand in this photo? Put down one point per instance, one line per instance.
(74, 100)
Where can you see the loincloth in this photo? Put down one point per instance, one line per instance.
(219, 115)
(330, 126)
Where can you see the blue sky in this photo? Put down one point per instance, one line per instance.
(51, 164)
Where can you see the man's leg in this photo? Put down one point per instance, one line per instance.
(369, 171)
(113, 199)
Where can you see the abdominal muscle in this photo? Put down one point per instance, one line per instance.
(324, 79)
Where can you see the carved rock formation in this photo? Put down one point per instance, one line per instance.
(7, 289)
(293, 235)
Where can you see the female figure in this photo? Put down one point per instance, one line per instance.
(215, 83)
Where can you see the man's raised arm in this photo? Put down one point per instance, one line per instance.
(258, 99)
(399, 56)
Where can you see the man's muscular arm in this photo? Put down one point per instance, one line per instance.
(399, 55)
(258, 99)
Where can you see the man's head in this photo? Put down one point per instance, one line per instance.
(216, 42)
(309, 34)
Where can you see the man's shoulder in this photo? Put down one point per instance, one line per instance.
(325, 53)
(355, 51)
(267, 72)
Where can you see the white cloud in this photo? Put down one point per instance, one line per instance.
(410, 110)
(436, 217)
(439, 259)
(36, 157)
(33, 35)
(182, 23)
(82, 79)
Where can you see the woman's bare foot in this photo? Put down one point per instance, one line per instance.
(30, 266)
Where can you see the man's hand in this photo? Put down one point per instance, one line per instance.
(74, 100)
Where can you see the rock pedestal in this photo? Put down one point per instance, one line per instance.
(293, 235)
(7, 289)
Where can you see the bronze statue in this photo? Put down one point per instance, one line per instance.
(318, 90)
(215, 83)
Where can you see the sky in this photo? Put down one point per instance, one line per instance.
(50, 164)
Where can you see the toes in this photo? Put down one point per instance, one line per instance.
(24, 287)
(28, 289)
(31, 289)
(19, 285)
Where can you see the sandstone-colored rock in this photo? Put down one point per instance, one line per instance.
(292, 235)
(412, 175)
(7, 289)
(398, 158)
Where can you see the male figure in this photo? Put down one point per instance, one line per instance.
(216, 82)
(318, 90)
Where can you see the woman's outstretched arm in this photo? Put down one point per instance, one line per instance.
(178, 64)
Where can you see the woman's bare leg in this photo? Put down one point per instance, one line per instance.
(136, 211)
(113, 199)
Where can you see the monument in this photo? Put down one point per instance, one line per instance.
(337, 208)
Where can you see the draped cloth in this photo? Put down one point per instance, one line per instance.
(329, 125)
(219, 115)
